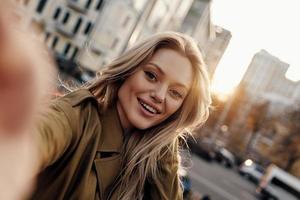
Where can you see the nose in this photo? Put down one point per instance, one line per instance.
(159, 94)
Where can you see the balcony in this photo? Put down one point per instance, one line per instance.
(96, 48)
(78, 5)
(64, 29)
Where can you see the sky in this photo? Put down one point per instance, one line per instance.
(273, 25)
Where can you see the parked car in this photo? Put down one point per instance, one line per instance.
(224, 156)
(251, 170)
(277, 184)
(202, 147)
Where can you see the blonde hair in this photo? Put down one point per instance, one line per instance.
(143, 153)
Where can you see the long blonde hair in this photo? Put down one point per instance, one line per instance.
(142, 153)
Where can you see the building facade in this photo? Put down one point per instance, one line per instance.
(212, 40)
(265, 82)
(86, 31)
(160, 15)
(93, 32)
(265, 79)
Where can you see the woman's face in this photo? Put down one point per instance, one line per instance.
(155, 91)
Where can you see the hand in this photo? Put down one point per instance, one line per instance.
(26, 71)
(26, 75)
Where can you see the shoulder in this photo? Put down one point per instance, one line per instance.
(78, 106)
(77, 97)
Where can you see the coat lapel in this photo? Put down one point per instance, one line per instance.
(107, 162)
(112, 134)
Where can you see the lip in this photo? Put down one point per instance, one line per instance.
(150, 104)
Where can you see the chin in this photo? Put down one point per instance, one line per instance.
(144, 125)
(141, 124)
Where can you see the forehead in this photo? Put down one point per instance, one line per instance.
(175, 66)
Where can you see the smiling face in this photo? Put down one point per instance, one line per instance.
(155, 91)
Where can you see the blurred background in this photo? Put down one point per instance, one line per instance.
(250, 146)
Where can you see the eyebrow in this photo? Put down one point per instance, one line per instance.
(162, 72)
(158, 67)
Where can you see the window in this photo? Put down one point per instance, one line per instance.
(67, 48)
(285, 186)
(55, 41)
(74, 53)
(260, 168)
(88, 28)
(41, 6)
(99, 4)
(66, 18)
(47, 36)
(57, 13)
(77, 26)
(88, 4)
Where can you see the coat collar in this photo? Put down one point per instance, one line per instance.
(112, 133)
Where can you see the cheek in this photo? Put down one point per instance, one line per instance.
(124, 93)
(173, 106)
(130, 87)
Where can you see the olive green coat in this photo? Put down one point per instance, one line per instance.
(80, 151)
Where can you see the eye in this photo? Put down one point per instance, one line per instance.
(150, 75)
(176, 94)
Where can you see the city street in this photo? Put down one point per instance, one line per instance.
(221, 78)
(218, 182)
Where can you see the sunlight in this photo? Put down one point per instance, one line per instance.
(266, 29)
(293, 73)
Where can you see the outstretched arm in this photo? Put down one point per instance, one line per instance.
(26, 71)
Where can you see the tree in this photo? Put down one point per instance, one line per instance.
(255, 121)
(292, 141)
(288, 147)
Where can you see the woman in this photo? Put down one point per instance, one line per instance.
(117, 137)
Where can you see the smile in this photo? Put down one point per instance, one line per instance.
(148, 107)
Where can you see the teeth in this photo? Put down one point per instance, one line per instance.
(149, 108)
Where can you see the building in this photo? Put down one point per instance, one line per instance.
(216, 48)
(265, 80)
(161, 15)
(113, 30)
(212, 40)
(82, 31)
(91, 33)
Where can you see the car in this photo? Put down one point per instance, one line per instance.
(202, 148)
(278, 184)
(224, 156)
(253, 171)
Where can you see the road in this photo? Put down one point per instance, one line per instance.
(218, 182)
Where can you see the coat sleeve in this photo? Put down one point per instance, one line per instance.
(167, 184)
(53, 133)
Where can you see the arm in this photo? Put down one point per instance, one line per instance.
(25, 80)
(54, 133)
